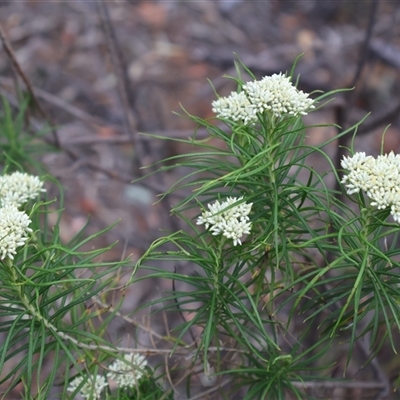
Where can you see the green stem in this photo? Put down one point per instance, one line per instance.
(366, 214)
(275, 201)
(218, 265)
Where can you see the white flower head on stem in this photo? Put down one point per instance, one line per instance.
(18, 188)
(277, 94)
(235, 107)
(378, 177)
(127, 374)
(227, 219)
(14, 228)
(91, 389)
(272, 94)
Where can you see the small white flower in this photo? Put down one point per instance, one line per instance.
(356, 161)
(395, 211)
(124, 373)
(234, 229)
(14, 227)
(91, 389)
(227, 219)
(212, 217)
(235, 107)
(18, 188)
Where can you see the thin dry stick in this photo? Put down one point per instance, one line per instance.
(129, 320)
(81, 162)
(201, 133)
(8, 49)
(73, 156)
(122, 80)
(123, 84)
(167, 373)
(212, 390)
(338, 384)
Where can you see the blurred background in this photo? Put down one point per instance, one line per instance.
(104, 71)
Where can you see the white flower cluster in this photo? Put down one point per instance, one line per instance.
(15, 190)
(126, 375)
(378, 177)
(18, 188)
(235, 107)
(226, 218)
(14, 227)
(275, 94)
(91, 389)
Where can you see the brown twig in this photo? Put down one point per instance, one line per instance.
(119, 70)
(201, 133)
(127, 319)
(338, 384)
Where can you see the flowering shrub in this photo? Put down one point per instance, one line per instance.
(283, 266)
(29, 301)
(272, 277)
(21, 302)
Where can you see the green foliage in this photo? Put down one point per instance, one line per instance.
(260, 313)
(327, 266)
(50, 294)
(45, 308)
